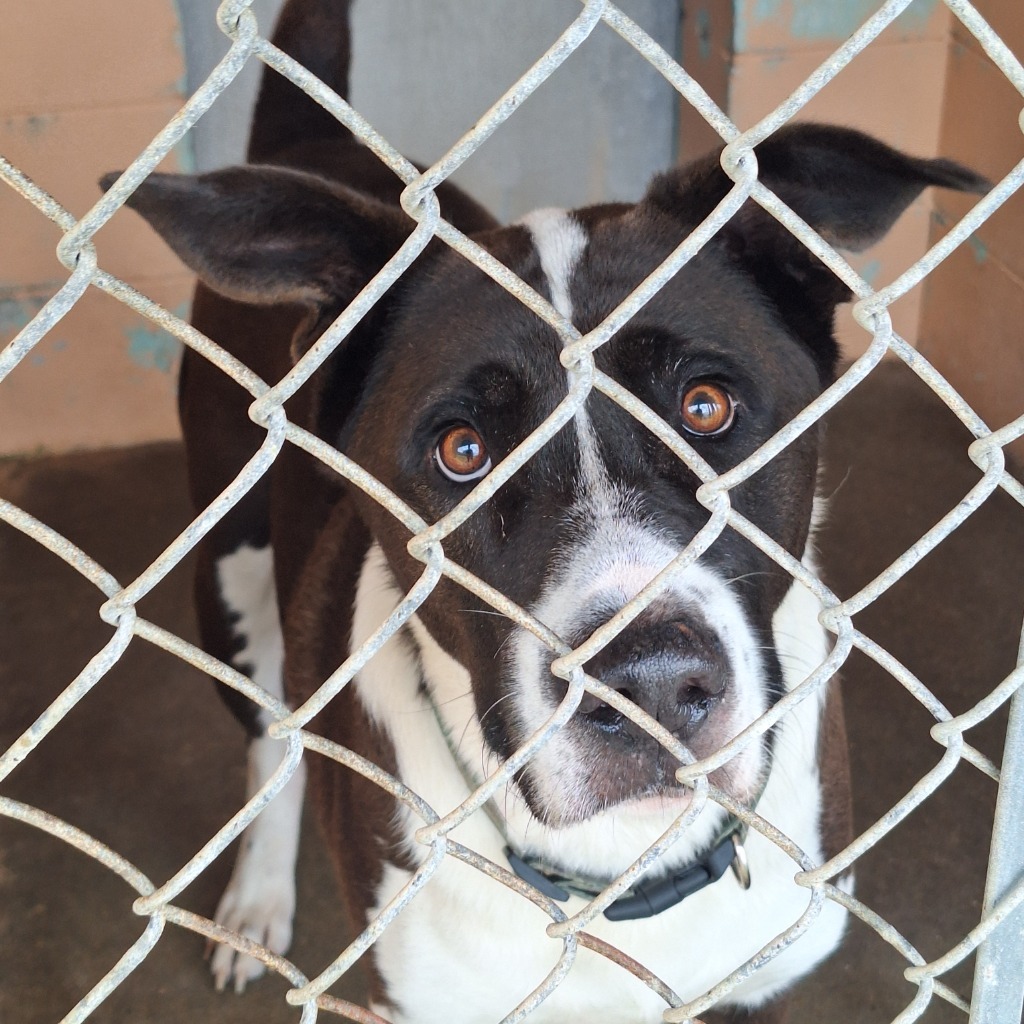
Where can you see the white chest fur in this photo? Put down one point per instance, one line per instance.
(468, 951)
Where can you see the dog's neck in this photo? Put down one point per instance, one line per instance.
(646, 897)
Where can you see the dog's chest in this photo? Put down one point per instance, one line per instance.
(468, 951)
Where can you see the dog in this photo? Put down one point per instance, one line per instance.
(437, 384)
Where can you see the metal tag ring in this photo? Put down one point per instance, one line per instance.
(740, 864)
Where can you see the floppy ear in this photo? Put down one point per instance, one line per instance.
(849, 187)
(268, 235)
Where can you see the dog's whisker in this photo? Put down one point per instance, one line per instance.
(748, 576)
(839, 486)
(501, 646)
(483, 717)
(433, 703)
(484, 753)
(797, 640)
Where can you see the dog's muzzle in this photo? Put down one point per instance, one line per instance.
(674, 669)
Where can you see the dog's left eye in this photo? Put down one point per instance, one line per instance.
(462, 455)
(707, 409)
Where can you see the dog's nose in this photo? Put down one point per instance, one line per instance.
(675, 671)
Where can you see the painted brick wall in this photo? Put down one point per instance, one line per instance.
(973, 325)
(924, 85)
(82, 89)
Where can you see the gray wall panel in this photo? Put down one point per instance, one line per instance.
(425, 70)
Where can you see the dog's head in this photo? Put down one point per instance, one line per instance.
(449, 373)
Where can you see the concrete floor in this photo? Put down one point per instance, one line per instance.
(151, 764)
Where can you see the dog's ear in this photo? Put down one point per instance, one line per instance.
(267, 235)
(849, 187)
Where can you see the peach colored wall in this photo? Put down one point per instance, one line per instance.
(752, 54)
(973, 326)
(83, 88)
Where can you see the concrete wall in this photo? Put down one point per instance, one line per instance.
(424, 72)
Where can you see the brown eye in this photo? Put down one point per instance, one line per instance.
(707, 409)
(461, 454)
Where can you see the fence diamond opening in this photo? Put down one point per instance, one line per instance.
(999, 978)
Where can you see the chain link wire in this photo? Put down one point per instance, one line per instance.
(156, 903)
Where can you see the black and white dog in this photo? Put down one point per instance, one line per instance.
(434, 388)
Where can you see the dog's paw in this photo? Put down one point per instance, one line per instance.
(260, 906)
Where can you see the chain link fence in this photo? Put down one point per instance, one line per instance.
(999, 977)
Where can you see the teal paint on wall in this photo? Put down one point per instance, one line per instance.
(747, 13)
(703, 28)
(824, 21)
(39, 124)
(830, 20)
(181, 86)
(185, 149)
(835, 20)
(870, 271)
(15, 313)
(152, 348)
(45, 349)
(978, 248)
(12, 316)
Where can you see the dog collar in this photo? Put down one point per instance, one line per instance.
(645, 898)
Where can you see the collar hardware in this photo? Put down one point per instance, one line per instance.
(740, 864)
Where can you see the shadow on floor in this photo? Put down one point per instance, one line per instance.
(151, 764)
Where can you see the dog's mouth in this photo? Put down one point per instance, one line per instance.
(681, 681)
(674, 687)
(605, 763)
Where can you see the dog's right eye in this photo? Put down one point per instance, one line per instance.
(707, 409)
(462, 455)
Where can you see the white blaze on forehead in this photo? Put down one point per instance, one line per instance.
(560, 242)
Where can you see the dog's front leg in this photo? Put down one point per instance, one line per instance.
(259, 901)
(239, 614)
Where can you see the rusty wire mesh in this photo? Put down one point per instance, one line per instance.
(156, 902)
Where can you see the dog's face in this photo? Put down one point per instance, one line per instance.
(451, 373)
(600, 510)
